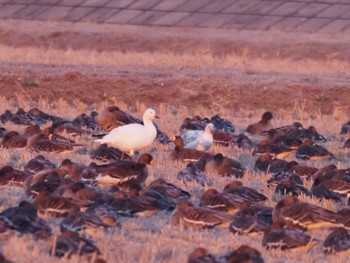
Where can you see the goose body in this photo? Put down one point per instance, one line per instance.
(200, 140)
(133, 136)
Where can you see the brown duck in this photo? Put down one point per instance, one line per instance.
(294, 213)
(248, 194)
(311, 151)
(337, 241)
(38, 164)
(187, 215)
(252, 219)
(277, 236)
(263, 125)
(124, 173)
(168, 189)
(268, 164)
(105, 153)
(224, 166)
(184, 154)
(11, 176)
(224, 202)
(70, 243)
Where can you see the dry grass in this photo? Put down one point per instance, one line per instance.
(198, 61)
(154, 239)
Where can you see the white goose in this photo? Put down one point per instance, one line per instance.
(199, 140)
(133, 136)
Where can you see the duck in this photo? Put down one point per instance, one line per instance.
(183, 154)
(242, 141)
(267, 163)
(75, 170)
(21, 117)
(77, 191)
(347, 144)
(337, 241)
(247, 194)
(3, 259)
(105, 212)
(188, 216)
(43, 117)
(199, 140)
(224, 202)
(13, 139)
(104, 153)
(310, 133)
(133, 136)
(112, 117)
(40, 143)
(345, 128)
(245, 253)
(344, 214)
(222, 124)
(168, 189)
(141, 203)
(311, 151)
(69, 243)
(85, 121)
(222, 134)
(47, 180)
(3, 132)
(263, 125)
(294, 213)
(288, 141)
(278, 151)
(55, 205)
(24, 219)
(38, 164)
(6, 116)
(284, 130)
(224, 139)
(302, 170)
(284, 177)
(66, 127)
(252, 219)
(83, 222)
(11, 176)
(320, 191)
(290, 187)
(337, 184)
(125, 172)
(191, 173)
(278, 236)
(328, 171)
(202, 255)
(224, 166)
(194, 123)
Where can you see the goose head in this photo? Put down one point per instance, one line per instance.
(150, 114)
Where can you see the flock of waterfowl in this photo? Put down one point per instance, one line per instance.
(91, 197)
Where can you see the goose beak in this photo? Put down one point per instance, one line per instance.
(156, 116)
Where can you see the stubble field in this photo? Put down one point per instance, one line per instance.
(236, 85)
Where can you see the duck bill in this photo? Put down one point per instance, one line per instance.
(157, 116)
